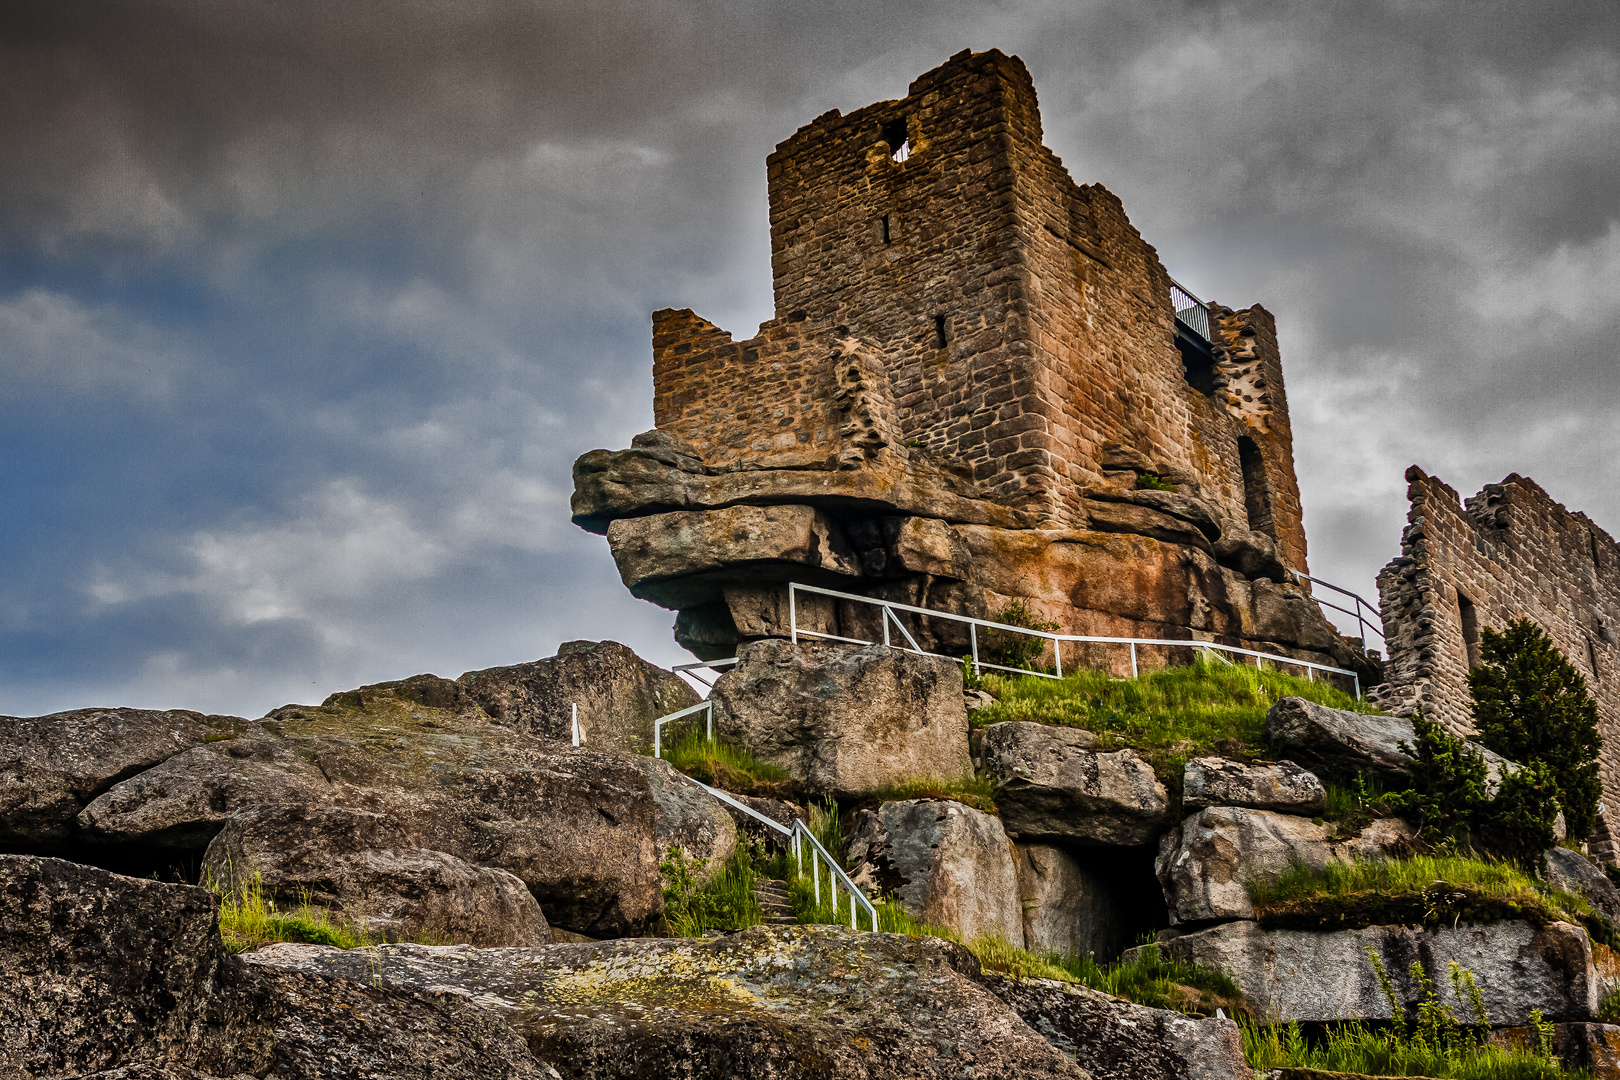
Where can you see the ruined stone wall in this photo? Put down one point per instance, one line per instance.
(1510, 552)
(1018, 323)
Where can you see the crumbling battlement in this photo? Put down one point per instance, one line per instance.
(1509, 552)
(1011, 323)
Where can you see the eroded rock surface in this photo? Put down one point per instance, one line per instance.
(948, 865)
(105, 973)
(1283, 786)
(687, 817)
(576, 825)
(618, 693)
(766, 1002)
(1052, 786)
(845, 720)
(1575, 873)
(373, 872)
(1306, 975)
(51, 767)
(1206, 865)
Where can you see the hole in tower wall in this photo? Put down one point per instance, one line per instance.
(1591, 657)
(1468, 614)
(894, 133)
(1256, 491)
(887, 238)
(942, 332)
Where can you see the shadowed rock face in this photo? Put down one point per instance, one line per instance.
(845, 720)
(776, 1003)
(1068, 906)
(375, 873)
(948, 864)
(576, 825)
(1051, 785)
(104, 972)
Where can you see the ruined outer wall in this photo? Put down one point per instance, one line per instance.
(1514, 553)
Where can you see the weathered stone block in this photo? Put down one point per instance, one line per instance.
(1283, 786)
(1052, 786)
(845, 720)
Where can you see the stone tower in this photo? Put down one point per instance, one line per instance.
(964, 339)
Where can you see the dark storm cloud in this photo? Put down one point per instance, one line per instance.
(306, 308)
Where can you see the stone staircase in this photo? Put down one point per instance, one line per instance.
(774, 904)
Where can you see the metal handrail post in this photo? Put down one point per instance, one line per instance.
(576, 724)
(793, 612)
(973, 637)
(884, 619)
(1133, 659)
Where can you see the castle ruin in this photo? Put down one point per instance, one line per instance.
(980, 386)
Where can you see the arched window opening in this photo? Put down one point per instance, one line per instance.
(1256, 490)
(894, 133)
(942, 332)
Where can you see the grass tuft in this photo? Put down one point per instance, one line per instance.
(1365, 1051)
(1168, 716)
(730, 768)
(969, 789)
(251, 919)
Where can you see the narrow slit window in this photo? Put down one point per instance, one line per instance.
(1256, 491)
(887, 238)
(1469, 615)
(1591, 656)
(942, 332)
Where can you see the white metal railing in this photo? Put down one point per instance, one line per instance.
(1361, 623)
(658, 724)
(889, 607)
(691, 670)
(803, 840)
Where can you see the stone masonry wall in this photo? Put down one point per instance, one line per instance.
(1019, 321)
(1510, 552)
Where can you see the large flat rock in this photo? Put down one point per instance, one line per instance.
(1310, 976)
(766, 1002)
(1337, 742)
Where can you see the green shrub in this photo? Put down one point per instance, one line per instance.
(1448, 801)
(1148, 481)
(1608, 1010)
(1531, 706)
(1168, 716)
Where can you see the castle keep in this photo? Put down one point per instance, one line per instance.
(980, 386)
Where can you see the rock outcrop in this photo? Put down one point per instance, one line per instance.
(105, 974)
(1283, 787)
(948, 865)
(576, 825)
(687, 817)
(846, 721)
(1335, 742)
(1068, 907)
(1311, 976)
(1206, 865)
(372, 872)
(618, 693)
(1117, 1040)
(1052, 786)
(767, 1002)
(51, 767)
(1574, 873)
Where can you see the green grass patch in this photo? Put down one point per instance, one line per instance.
(1168, 716)
(1422, 889)
(730, 768)
(250, 919)
(695, 903)
(1366, 1051)
(969, 789)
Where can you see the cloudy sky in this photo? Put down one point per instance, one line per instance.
(307, 308)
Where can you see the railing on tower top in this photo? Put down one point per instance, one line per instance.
(890, 607)
(1191, 312)
(1362, 623)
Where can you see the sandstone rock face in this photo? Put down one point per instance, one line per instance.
(1067, 908)
(52, 766)
(370, 870)
(1116, 1040)
(1574, 873)
(1283, 787)
(1051, 786)
(104, 974)
(618, 693)
(1340, 743)
(756, 1003)
(687, 817)
(845, 721)
(948, 865)
(576, 825)
(1302, 975)
(1205, 866)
